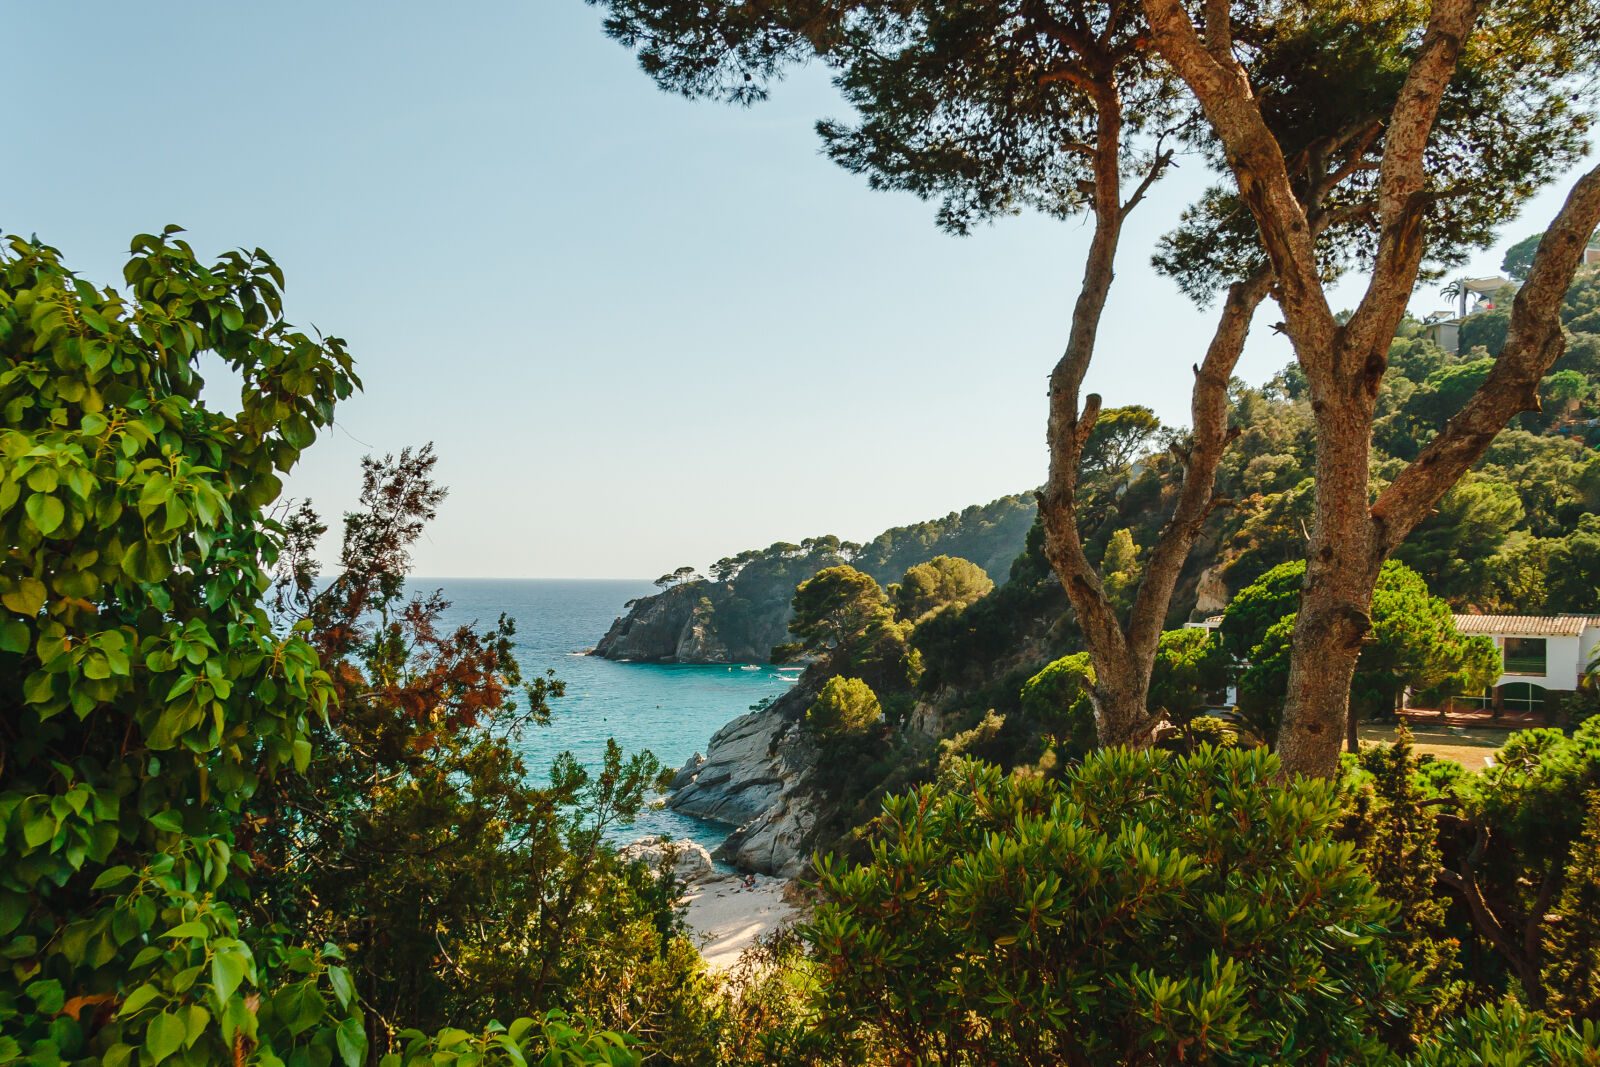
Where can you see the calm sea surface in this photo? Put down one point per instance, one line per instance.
(670, 710)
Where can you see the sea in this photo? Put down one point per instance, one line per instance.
(669, 709)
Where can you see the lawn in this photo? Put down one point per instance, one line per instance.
(1466, 745)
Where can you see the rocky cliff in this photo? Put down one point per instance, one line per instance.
(754, 775)
(670, 627)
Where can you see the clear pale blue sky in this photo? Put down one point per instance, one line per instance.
(642, 331)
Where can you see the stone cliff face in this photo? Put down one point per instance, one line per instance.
(754, 775)
(704, 622)
(670, 627)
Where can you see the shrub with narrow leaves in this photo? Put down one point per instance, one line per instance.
(1144, 909)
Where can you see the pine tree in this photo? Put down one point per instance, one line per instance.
(1399, 843)
(1572, 948)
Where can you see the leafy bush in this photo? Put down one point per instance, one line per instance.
(846, 708)
(1142, 909)
(150, 710)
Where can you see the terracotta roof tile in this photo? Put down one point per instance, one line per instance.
(1538, 625)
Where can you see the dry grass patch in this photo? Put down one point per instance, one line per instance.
(1466, 745)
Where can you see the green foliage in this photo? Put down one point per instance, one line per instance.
(834, 609)
(1211, 730)
(1507, 1035)
(164, 734)
(745, 607)
(1120, 569)
(1120, 436)
(1189, 664)
(1519, 257)
(990, 535)
(1264, 682)
(1573, 569)
(146, 693)
(1395, 833)
(846, 709)
(1259, 606)
(462, 890)
(1456, 544)
(1572, 949)
(1413, 643)
(941, 583)
(1058, 699)
(1142, 908)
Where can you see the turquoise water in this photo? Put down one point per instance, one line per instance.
(670, 710)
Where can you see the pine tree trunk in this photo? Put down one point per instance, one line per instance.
(1336, 596)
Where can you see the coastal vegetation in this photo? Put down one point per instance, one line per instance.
(254, 813)
(1332, 121)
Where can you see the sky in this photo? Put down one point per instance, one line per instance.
(641, 331)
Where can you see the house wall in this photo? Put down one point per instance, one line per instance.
(1586, 647)
(1563, 659)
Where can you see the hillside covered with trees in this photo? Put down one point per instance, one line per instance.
(742, 611)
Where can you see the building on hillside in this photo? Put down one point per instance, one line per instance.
(1446, 333)
(1543, 658)
(1475, 295)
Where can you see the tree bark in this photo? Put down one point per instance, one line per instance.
(1124, 657)
(1115, 691)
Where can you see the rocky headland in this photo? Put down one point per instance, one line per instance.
(739, 613)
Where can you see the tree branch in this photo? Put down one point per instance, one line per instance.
(1223, 89)
(1534, 342)
(1209, 409)
(1403, 174)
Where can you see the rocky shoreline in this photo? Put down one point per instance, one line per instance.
(753, 776)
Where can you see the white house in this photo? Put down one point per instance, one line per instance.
(1539, 654)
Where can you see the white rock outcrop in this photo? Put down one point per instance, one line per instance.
(691, 863)
(753, 776)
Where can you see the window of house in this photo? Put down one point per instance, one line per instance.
(1525, 655)
(1522, 696)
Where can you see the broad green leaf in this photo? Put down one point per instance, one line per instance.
(45, 511)
(188, 929)
(165, 1034)
(167, 820)
(352, 1040)
(14, 636)
(112, 876)
(195, 1024)
(227, 971)
(39, 829)
(343, 988)
(48, 996)
(137, 999)
(145, 562)
(27, 598)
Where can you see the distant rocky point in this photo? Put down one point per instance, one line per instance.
(743, 609)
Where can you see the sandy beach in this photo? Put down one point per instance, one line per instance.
(725, 918)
